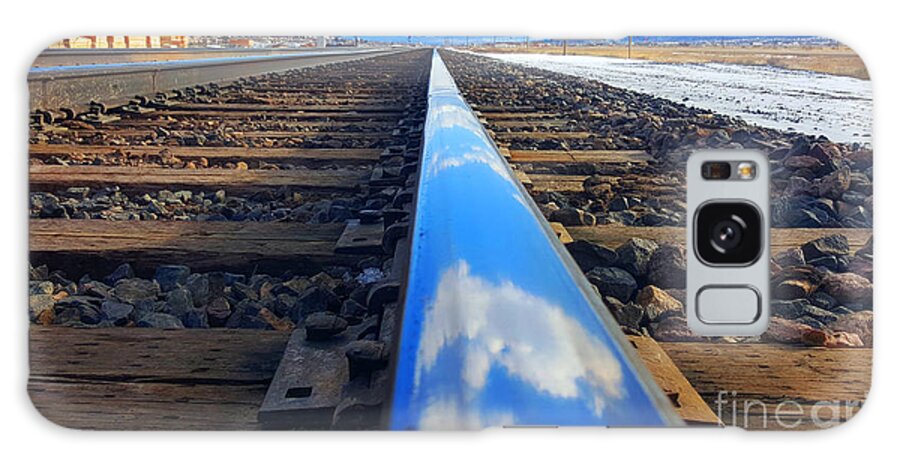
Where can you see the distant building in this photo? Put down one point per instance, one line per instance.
(124, 41)
(241, 43)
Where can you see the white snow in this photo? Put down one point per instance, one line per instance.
(808, 102)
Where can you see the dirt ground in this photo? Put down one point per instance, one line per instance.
(840, 60)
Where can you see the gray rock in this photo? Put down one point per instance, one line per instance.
(634, 256)
(135, 290)
(240, 291)
(195, 318)
(117, 313)
(627, 218)
(231, 279)
(281, 305)
(51, 208)
(81, 309)
(814, 323)
(170, 276)
(353, 312)
(667, 267)
(216, 284)
(366, 356)
(572, 217)
(802, 211)
(38, 273)
(822, 315)
(790, 257)
(40, 303)
(323, 326)
(124, 271)
(619, 203)
(218, 311)
(589, 255)
(627, 315)
(614, 282)
(160, 321)
(823, 300)
(179, 302)
(96, 289)
(80, 301)
(833, 185)
(44, 287)
(312, 300)
(791, 309)
(246, 316)
(832, 245)
(198, 285)
(653, 219)
(146, 307)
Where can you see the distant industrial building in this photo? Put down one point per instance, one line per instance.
(124, 41)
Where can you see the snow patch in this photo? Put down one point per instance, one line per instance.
(812, 103)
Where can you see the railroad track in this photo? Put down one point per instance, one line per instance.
(304, 183)
(605, 166)
(268, 197)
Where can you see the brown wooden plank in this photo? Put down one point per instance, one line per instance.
(754, 379)
(507, 114)
(583, 156)
(268, 107)
(505, 109)
(132, 132)
(687, 402)
(269, 134)
(219, 154)
(613, 235)
(257, 122)
(150, 379)
(44, 177)
(293, 115)
(561, 233)
(616, 173)
(512, 123)
(562, 183)
(98, 246)
(543, 135)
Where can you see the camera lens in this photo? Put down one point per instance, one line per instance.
(728, 233)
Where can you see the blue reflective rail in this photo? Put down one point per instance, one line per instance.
(499, 325)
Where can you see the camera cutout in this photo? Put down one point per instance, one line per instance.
(728, 242)
(728, 170)
(728, 233)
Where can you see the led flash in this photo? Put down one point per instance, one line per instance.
(746, 170)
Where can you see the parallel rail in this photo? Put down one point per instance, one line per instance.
(75, 87)
(499, 326)
(74, 56)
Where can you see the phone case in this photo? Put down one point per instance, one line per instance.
(407, 233)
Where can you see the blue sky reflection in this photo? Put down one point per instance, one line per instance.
(496, 330)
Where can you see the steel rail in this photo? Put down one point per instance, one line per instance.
(74, 87)
(70, 56)
(499, 326)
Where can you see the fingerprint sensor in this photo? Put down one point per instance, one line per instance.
(724, 304)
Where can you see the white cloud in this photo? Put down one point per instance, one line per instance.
(504, 327)
(447, 415)
(449, 116)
